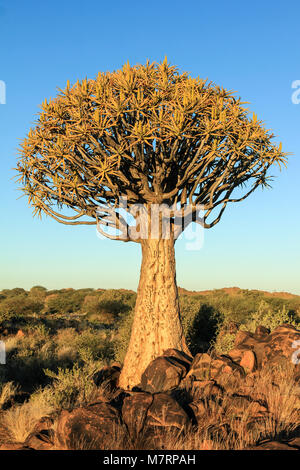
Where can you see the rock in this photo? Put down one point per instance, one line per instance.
(153, 415)
(165, 372)
(20, 334)
(246, 358)
(179, 355)
(43, 424)
(134, 412)
(205, 388)
(261, 332)
(248, 361)
(295, 442)
(205, 367)
(219, 432)
(279, 343)
(272, 445)
(240, 404)
(268, 348)
(108, 377)
(165, 417)
(242, 337)
(43, 440)
(164, 411)
(42, 436)
(89, 426)
(15, 446)
(199, 410)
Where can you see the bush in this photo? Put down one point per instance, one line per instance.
(97, 344)
(72, 387)
(18, 306)
(224, 343)
(13, 292)
(200, 323)
(64, 302)
(269, 317)
(38, 293)
(122, 337)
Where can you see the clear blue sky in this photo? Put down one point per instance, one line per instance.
(250, 47)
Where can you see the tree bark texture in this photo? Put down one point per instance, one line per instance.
(157, 324)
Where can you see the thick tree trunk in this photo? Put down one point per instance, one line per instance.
(157, 325)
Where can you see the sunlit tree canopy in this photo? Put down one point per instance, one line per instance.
(147, 133)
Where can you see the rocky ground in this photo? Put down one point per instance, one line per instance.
(247, 399)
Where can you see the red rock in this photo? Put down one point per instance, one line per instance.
(206, 367)
(92, 425)
(20, 334)
(16, 446)
(272, 348)
(273, 445)
(165, 372)
(248, 361)
(134, 412)
(40, 441)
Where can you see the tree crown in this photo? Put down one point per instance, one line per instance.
(147, 133)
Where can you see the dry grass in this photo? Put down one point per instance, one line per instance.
(223, 426)
(7, 392)
(18, 422)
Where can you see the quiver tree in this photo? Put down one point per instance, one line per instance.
(156, 138)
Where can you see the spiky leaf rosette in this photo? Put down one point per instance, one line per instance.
(147, 133)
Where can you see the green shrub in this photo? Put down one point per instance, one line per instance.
(18, 306)
(72, 387)
(38, 293)
(269, 317)
(97, 344)
(224, 343)
(122, 337)
(13, 292)
(65, 302)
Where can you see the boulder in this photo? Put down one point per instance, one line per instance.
(153, 415)
(134, 412)
(42, 436)
(273, 445)
(295, 442)
(279, 343)
(267, 348)
(239, 404)
(199, 410)
(206, 367)
(261, 332)
(165, 372)
(43, 424)
(205, 388)
(43, 440)
(164, 411)
(246, 358)
(179, 355)
(92, 425)
(14, 446)
(107, 374)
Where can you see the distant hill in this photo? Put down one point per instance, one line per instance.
(234, 291)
